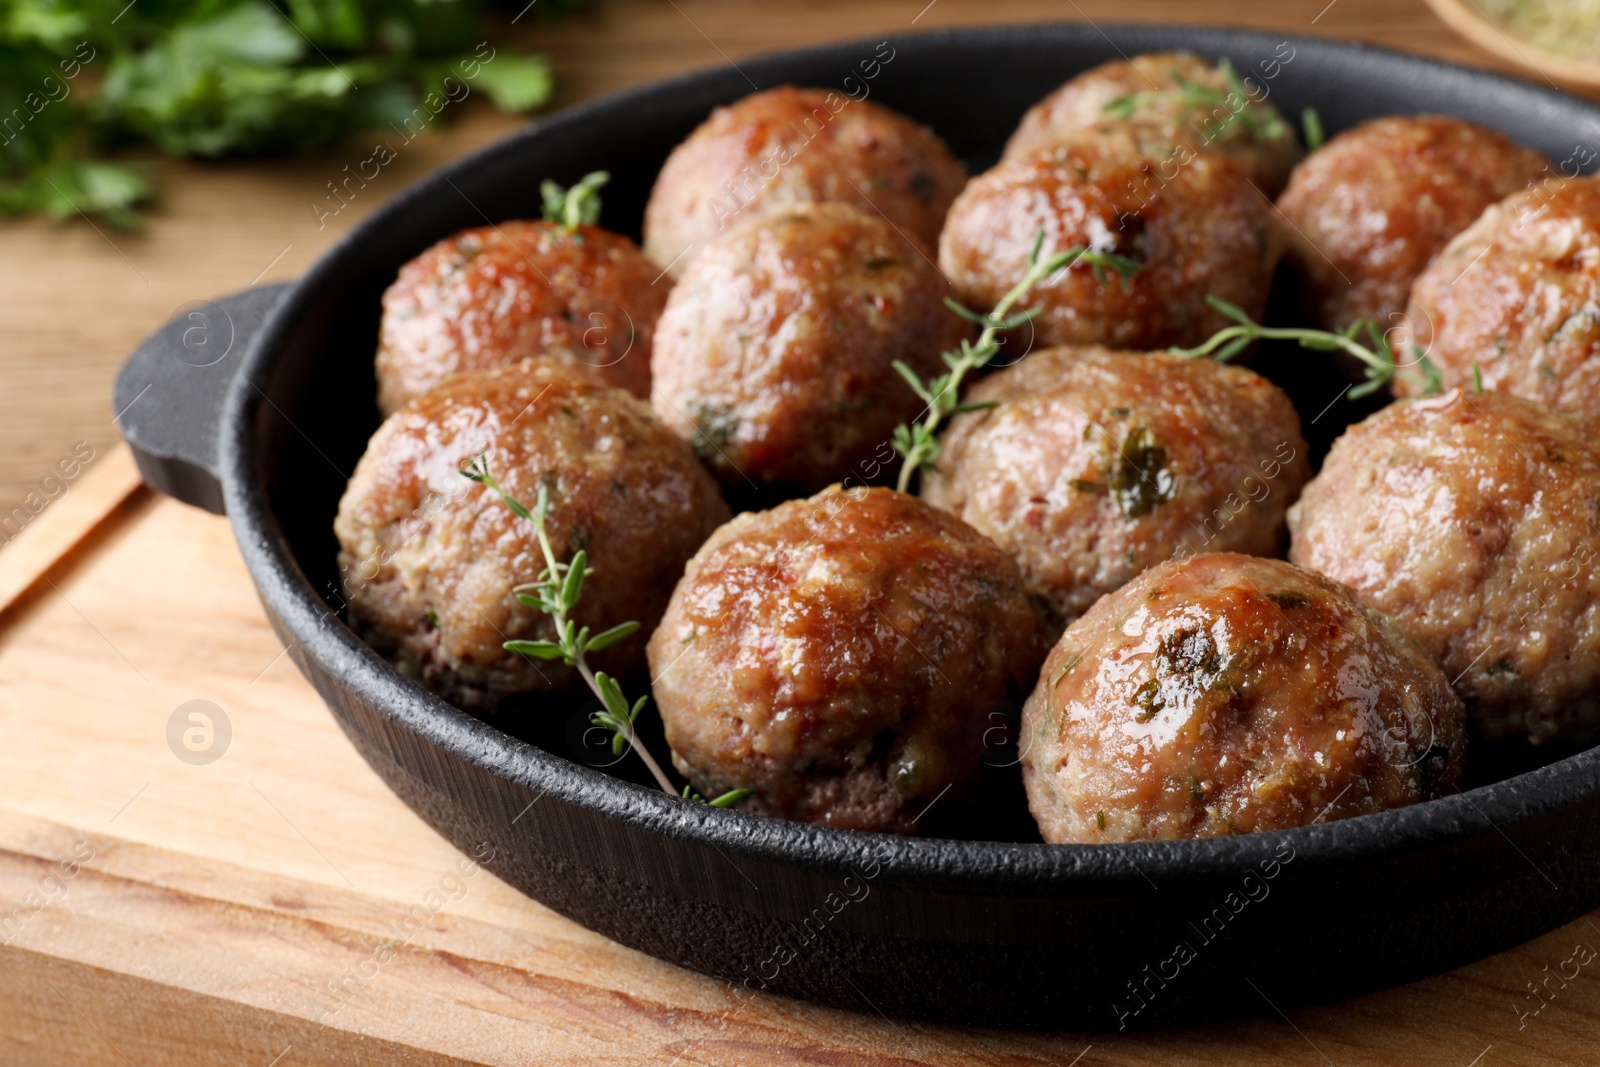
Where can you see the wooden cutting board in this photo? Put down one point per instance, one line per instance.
(253, 895)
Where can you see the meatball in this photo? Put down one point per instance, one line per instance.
(1191, 219)
(1227, 694)
(1187, 99)
(775, 355)
(1518, 294)
(429, 559)
(1471, 519)
(842, 657)
(1371, 207)
(502, 293)
(1095, 465)
(795, 146)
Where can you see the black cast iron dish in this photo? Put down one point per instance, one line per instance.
(265, 417)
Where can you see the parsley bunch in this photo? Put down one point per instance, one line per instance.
(217, 78)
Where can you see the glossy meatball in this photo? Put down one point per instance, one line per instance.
(1227, 694)
(1518, 293)
(496, 295)
(429, 559)
(795, 146)
(1187, 99)
(1095, 465)
(842, 656)
(775, 354)
(1372, 206)
(1474, 520)
(1191, 219)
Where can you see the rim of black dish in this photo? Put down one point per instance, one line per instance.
(1518, 799)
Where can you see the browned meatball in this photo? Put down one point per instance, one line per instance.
(1518, 293)
(496, 295)
(1178, 93)
(841, 656)
(1372, 206)
(775, 354)
(796, 146)
(429, 559)
(1095, 465)
(1474, 521)
(1227, 694)
(1197, 226)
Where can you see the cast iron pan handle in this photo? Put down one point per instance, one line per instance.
(169, 393)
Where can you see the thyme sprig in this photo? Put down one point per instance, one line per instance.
(1260, 123)
(556, 593)
(577, 206)
(1311, 126)
(1377, 354)
(916, 442)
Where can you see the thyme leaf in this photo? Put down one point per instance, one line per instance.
(577, 206)
(1311, 125)
(726, 800)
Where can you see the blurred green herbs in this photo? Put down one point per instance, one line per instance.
(79, 78)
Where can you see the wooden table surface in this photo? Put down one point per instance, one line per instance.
(209, 907)
(75, 299)
(256, 896)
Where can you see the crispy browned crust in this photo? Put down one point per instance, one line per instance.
(1474, 520)
(775, 355)
(1150, 88)
(1191, 218)
(1372, 206)
(1227, 694)
(429, 559)
(1518, 294)
(500, 294)
(845, 656)
(1096, 464)
(788, 146)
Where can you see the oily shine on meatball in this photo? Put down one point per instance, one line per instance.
(1226, 694)
(1372, 206)
(429, 559)
(1518, 294)
(842, 656)
(1474, 521)
(790, 146)
(503, 293)
(1192, 220)
(1095, 465)
(775, 355)
(1190, 101)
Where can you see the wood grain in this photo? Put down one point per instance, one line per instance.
(67, 522)
(213, 912)
(253, 910)
(76, 299)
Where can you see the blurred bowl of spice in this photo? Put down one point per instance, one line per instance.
(1557, 38)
